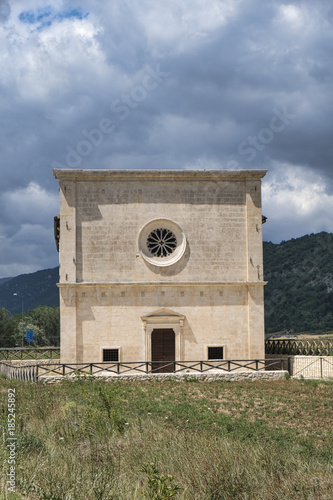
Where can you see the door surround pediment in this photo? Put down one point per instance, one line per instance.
(163, 315)
(163, 318)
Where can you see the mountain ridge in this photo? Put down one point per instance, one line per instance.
(36, 289)
(299, 293)
(4, 280)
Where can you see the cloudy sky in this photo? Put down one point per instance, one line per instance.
(219, 84)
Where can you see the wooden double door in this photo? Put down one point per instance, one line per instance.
(163, 350)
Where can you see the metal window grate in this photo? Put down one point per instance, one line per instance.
(161, 242)
(110, 354)
(215, 353)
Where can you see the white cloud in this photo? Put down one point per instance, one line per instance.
(296, 203)
(37, 65)
(26, 230)
(32, 204)
(292, 14)
(182, 26)
(32, 240)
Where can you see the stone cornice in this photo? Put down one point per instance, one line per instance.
(157, 175)
(162, 283)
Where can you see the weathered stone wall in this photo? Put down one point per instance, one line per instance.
(217, 317)
(203, 377)
(107, 253)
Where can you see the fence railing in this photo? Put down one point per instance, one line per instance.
(297, 366)
(34, 372)
(24, 373)
(300, 347)
(26, 353)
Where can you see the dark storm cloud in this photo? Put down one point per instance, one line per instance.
(232, 82)
(247, 84)
(262, 69)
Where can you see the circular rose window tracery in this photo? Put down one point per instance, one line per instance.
(161, 242)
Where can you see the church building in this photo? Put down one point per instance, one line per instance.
(160, 265)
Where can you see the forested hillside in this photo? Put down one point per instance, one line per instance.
(35, 289)
(299, 293)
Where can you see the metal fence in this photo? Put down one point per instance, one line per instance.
(300, 347)
(34, 372)
(27, 353)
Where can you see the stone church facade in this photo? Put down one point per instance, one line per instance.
(159, 266)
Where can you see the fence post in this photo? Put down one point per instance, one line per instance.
(321, 367)
(289, 365)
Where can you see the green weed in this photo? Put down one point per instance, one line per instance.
(158, 487)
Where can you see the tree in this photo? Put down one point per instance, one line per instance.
(47, 320)
(44, 321)
(7, 329)
(39, 337)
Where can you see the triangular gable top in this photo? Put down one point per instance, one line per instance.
(162, 313)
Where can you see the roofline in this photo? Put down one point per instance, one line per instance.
(157, 175)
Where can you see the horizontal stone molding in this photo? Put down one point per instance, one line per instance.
(157, 175)
(163, 283)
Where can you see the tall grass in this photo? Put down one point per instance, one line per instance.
(241, 440)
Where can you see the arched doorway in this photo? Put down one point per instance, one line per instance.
(163, 350)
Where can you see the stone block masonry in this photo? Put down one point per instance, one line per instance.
(117, 290)
(201, 377)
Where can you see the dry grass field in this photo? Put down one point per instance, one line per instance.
(188, 440)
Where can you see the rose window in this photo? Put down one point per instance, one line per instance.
(161, 242)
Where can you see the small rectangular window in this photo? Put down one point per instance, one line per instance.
(110, 354)
(215, 353)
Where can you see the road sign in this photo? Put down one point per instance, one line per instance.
(30, 335)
